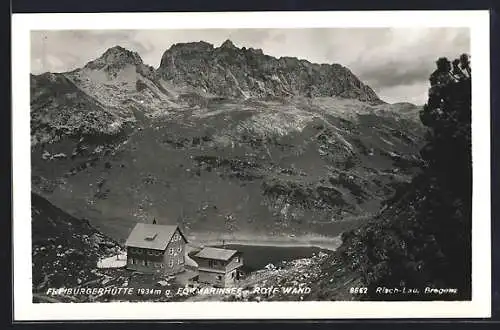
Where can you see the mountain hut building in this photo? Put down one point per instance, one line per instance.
(219, 267)
(156, 248)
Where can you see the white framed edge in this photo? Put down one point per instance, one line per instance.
(478, 307)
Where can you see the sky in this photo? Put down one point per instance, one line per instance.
(395, 62)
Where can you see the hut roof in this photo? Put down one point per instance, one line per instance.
(216, 253)
(151, 236)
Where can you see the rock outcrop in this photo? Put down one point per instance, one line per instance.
(234, 72)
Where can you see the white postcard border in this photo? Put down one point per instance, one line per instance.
(25, 310)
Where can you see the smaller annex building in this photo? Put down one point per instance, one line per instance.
(218, 267)
(156, 248)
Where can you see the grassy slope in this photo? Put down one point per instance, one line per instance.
(225, 168)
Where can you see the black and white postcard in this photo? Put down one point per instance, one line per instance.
(251, 165)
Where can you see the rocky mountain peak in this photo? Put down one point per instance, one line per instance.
(116, 56)
(244, 73)
(228, 44)
(181, 50)
(188, 47)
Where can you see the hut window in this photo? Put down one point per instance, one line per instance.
(237, 259)
(171, 251)
(176, 237)
(171, 263)
(179, 249)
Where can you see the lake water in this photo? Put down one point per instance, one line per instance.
(257, 256)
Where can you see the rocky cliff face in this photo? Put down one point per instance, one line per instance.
(242, 73)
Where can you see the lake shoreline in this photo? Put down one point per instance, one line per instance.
(324, 243)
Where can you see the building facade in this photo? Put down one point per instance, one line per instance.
(156, 248)
(219, 267)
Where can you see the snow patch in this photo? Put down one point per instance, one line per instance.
(117, 261)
